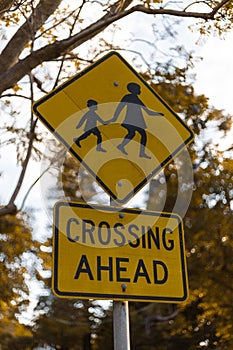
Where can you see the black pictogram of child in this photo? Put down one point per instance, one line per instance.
(134, 120)
(91, 118)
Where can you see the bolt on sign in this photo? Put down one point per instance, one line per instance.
(105, 252)
(111, 120)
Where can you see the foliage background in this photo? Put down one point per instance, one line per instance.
(42, 44)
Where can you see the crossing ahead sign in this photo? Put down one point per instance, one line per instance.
(102, 252)
(111, 120)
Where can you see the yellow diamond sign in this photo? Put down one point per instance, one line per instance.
(102, 252)
(111, 120)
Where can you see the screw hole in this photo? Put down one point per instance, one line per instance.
(123, 287)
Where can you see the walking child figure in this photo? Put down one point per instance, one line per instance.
(134, 120)
(90, 118)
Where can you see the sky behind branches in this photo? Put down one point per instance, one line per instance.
(214, 74)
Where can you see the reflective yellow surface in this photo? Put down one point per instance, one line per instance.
(103, 253)
(120, 175)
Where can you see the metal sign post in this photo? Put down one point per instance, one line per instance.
(121, 333)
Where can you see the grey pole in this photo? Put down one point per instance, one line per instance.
(121, 325)
(121, 334)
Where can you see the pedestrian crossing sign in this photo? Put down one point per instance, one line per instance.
(115, 124)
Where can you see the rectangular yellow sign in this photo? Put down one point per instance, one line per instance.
(103, 252)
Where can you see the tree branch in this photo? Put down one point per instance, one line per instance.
(151, 320)
(55, 161)
(218, 7)
(5, 6)
(26, 32)
(59, 48)
(11, 208)
(64, 56)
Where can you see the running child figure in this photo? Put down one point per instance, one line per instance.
(90, 118)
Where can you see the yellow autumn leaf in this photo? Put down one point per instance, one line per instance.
(17, 88)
